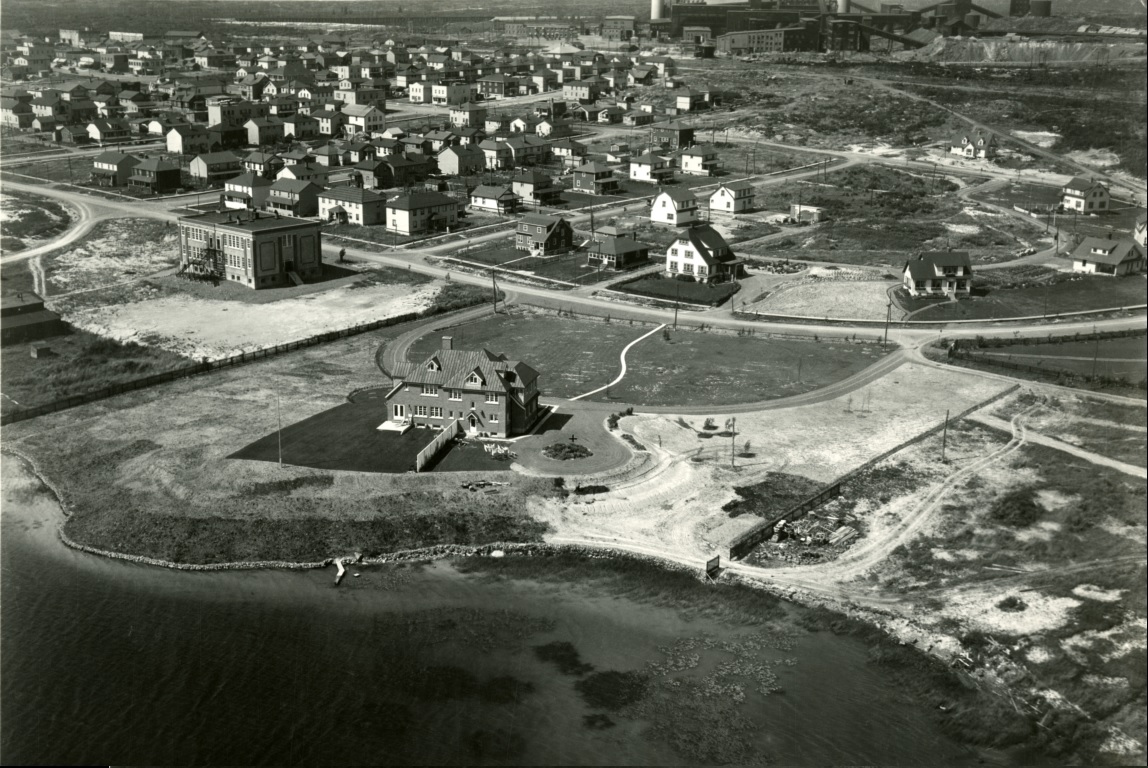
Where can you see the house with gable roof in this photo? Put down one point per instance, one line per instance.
(113, 168)
(651, 167)
(543, 235)
(732, 197)
(703, 253)
(674, 206)
(613, 249)
(420, 212)
(977, 144)
(488, 393)
(939, 273)
(595, 179)
(1081, 195)
(246, 191)
(1108, 256)
(494, 198)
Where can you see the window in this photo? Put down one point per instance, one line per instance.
(430, 390)
(435, 412)
(492, 418)
(473, 379)
(673, 266)
(420, 410)
(492, 397)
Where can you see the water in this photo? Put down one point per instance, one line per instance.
(109, 662)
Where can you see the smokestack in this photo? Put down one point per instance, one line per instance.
(655, 9)
(447, 342)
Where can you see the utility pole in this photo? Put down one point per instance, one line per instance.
(888, 313)
(945, 437)
(731, 425)
(1095, 352)
(279, 418)
(677, 301)
(494, 290)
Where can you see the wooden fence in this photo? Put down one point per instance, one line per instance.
(426, 455)
(195, 369)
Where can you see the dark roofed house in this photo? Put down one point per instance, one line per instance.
(1108, 256)
(543, 235)
(420, 212)
(497, 199)
(939, 273)
(113, 169)
(704, 254)
(487, 393)
(156, 175)
(609, 251)
(23, 317)
(293, 197)
(595, 179)
(536, 187)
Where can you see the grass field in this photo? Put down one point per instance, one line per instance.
(1068, 293)
(1113, 357)
(80, 362)
(658, 286)
(27, 219)
(689, 368)
(569, 267)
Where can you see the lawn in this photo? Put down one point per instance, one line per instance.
(80, 362)
(695, 368)
(569, 267)
(575, 356)
(572, 355)
(1113, 357)
(659, 286)
(1068, 293)
(25, 220)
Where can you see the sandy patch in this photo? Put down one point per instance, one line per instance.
(1120, 743)
(829, 298)
(1093, 592)
(1132, 532)
(199, 328)
(963, 229)
(1042, 139)
(1101, 158)
(1038, 654)
(1128, 638)
(1042, 531)
(1052, 501)
(123, 250)
(1042, 614)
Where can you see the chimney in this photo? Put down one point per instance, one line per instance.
(447, 342)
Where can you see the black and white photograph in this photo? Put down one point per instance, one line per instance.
(554, 383)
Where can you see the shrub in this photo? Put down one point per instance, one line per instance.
(1012, 604)
(1016, 508)
(566, 451)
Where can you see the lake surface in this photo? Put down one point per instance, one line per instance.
(109, 662)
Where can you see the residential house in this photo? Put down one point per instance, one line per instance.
(189, 140)
(976, 144)
(266, 164)
(467, 115)
(215, 167)
(156, 175)
(568, 148)
(691, 100)
(109, 131)
(582, 91)
(496, 124)
(264, 130)
(616, 251)
(699, 160)
(1108, 256)
(233, 112)
(526, 124)
(258, 250)
(497, 154)
(246, 191)
(1140, 229)
(637, 117)
(15, 113)
(352, 205)
(652, 168)
(495, 199)
(487, 393)
(612, 114)
(330, 122)
(676, 207)
(703, 253)
(312, 172)
(461, 160)
(292, 197)
(440, 140)
(535, 187)
(328, 155)
(595, 179)
(939, 273)
(450, 93)
(497, 86)
(810, 213)
(543, 235)
(419, 92)
(113, 168)
(420, 212)
(674, 135)
(1081, 195)
(554, 128)
(732, 197)
(528, 149)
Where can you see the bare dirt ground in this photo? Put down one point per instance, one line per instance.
(832, 297)
(113, 252)
(203, 328)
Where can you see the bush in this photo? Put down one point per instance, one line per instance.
(566, 451)
(1016, 508)
(1012, 604)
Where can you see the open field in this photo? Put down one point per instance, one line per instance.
(149, 473)
(1063, 293)
(1104, 357)
(569, 267)
(27, 220)
(80, 362)
(113, 252)
(830, 296)
(1103, 428)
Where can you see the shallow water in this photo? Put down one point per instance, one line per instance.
(109, 662)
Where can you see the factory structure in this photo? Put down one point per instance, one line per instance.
(771, 26)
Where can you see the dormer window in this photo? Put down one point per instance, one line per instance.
(433, 366)
(474, 378)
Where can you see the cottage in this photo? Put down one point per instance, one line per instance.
(703, 254)
(247, 190)
(617, 252)
(420, 212)
(543, 235)
(1108, 256)
(652, 168)
(732, 197)
(254, 249)
(214, 167)
(1082, 195)
(113, 169)
(495, 199)
(676, 207)
(939, 273)
(975, 144)
(595, 179)
(291, 197)
(352, 205)
(487, 393)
